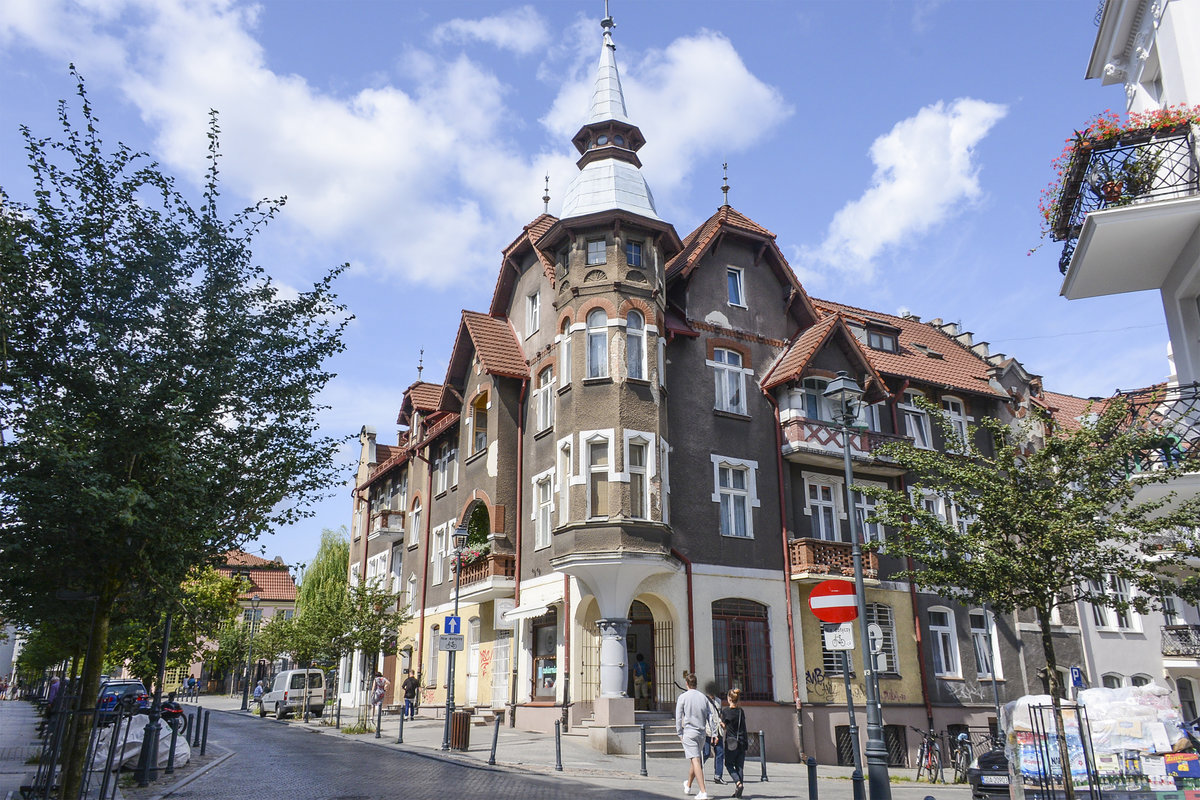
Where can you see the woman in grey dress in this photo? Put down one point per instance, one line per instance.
(691, 718)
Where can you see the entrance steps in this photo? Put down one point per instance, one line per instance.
(661, 741)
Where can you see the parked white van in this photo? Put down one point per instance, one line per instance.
(288, 693)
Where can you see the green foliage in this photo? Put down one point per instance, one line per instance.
(324, 580)
(157, 389)
(230, 652)
(1050, 518)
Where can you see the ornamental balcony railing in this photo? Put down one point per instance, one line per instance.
(818, 559)
(493, 565)
(1172, 412)
(1139, 166)
(1181, 640)
(815, 436)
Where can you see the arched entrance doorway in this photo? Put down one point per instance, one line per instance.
(655, 642)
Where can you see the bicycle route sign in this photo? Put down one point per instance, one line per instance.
(834, 601)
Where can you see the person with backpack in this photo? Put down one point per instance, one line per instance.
(733, 720)
(410, 686)
(713, 744)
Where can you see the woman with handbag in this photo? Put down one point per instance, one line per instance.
(733, 718)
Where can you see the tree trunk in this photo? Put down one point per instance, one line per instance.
(1064, 753)
(89, 690)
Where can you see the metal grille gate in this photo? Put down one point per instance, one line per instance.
(589, 664)
(664, 664)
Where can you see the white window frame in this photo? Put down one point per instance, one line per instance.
(823, 511)
(453, 465)
(414, 528)
(958, 419)
(1112, 680)
(597, 362)
(587, 439)
(543, 399)
(431, 680)
(564, 354)
(411, 590)
(720, 462)
(473, 426)
(986, 643)
(635, 345)
(814, 404)
(647, 470)
(630, 244)
(726, 374)
(597, 256)
(376, 569)
(533, 313)
(863, 506)
(877, 339)
(916, 419)
(354, 575)
(1109, 618)
(564, 476)
(735, 283)
(664, 498)
(542, 512)
(868, 417)
(437, 554)
(441, 478)
(943, 639)
(837, 487)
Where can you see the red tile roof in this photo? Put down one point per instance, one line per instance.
(383, 452)
(270, 580)
(925, 353)
(240, 558)
(796, 357)
(502, 294)
(496, 343)
(426, 397)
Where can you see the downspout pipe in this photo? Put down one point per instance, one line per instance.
(687, 568)
(425, 567)
(517, 543)
(787, 570)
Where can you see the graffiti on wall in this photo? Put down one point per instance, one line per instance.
(826, 687)
(966, 691)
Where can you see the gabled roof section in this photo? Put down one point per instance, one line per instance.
(493, 341)
(437, 426)
(792, 363)
(730, 221)
(512, 256)
(925, 353)
(1066, 409)
(270, 580)
(420, 396)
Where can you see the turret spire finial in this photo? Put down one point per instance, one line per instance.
(725, 183)
(608, 24)
(546, 196)
(421, 364)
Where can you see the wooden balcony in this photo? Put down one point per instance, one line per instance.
(815, 560)
(491, 576)
(813, 441)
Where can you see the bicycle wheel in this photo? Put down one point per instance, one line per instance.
(923, 760)
(962, 761)
(935, 768)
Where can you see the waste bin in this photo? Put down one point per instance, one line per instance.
(460, 730)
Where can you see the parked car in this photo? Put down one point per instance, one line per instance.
(291, 692)
(114, 695)
(988, 776)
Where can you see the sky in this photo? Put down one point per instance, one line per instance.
(897, 150)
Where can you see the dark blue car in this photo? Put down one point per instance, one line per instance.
(114, 695)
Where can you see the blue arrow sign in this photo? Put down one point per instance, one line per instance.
(453, 625)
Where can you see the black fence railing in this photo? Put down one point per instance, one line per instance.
(1172, 412)
(1181, 640)
(1139, 166)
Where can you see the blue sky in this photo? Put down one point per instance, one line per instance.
(897, 150)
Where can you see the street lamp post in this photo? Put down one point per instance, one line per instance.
(845, 393)
(460, 541)
(249, 652)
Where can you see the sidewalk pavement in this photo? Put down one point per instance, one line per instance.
(534, 752)
(18, 744)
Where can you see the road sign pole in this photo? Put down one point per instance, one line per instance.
(858, 767)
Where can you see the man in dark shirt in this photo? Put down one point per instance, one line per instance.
(410, 686)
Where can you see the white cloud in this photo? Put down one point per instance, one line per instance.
(521, 30)
(924, 172)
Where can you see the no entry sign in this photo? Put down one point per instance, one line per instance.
(833, 601)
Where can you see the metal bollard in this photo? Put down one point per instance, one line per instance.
(812, 778)
(171, 754)
(204, 738)
(339, 714)
(400, 735)
(558, 745)
(196, 731)
(379, 722)
(643, 770)
(762, 754)
(495, 738)
(857, 779)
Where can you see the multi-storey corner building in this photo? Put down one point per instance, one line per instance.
(1130, 217)
(638, 423)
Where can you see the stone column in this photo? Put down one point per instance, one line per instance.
(613, 669)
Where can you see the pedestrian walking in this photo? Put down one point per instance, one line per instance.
(410, 686)
(733, 718)
(192, 683)
(691, 722)
(258, 693)
(379, 689)
(714, 745)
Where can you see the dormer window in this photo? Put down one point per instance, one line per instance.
(879, 340)
(633, 254)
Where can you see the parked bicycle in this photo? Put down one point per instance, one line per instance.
(929, 757)
(964, 754)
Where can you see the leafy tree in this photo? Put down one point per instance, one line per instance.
(1050, 523)
(231, 649)
(375, 620)
(157, 388)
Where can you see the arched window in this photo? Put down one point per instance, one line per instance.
(742, 648)
(414, 526)
(597, 344)
(1139, 680)
(1111, 681)
(635, 346)
(479, 423)
(564, 353)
